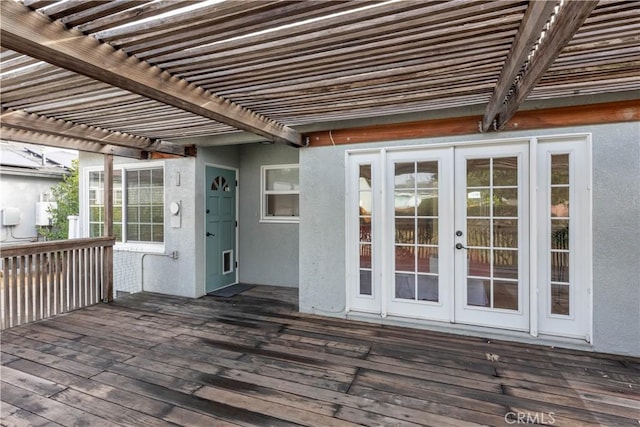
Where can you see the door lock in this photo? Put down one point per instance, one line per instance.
(459, 233)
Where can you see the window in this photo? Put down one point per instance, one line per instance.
(138, 204)
(280, 193)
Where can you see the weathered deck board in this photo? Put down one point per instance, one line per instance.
(148, 359)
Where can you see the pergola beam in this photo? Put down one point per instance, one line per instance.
(35, 35)
(19, 119)
(568, 21)
(534, 20)
(36, 137)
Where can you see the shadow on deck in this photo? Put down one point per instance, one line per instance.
(251, 359)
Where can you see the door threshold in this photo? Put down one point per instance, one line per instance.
(488, 333)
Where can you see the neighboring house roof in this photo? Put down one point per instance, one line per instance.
(29, 159)
(53, 156)
(11, 158)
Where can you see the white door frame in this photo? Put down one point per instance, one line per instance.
(577, 323)
(385, 269)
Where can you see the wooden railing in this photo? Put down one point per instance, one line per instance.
(40, 280)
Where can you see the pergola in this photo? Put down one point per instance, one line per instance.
(134, 77)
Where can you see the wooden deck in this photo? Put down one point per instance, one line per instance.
(252, 359)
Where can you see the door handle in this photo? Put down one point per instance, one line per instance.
(210, 234)
(461, 246)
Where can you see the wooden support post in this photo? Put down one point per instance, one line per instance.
(107, 295)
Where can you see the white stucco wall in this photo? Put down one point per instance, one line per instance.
(268, 251)
(137, 269)
(616, 228)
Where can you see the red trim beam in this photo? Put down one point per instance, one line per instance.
(593, 114)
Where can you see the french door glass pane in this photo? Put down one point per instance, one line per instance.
(478, 172)
(560, 202)
(428, 288)
(478, 202)
(560, 169)
(560, 267)
(405, 230)
(405, 258)
(505, 171)
(505, 233)
(559, 234)
(505, 295)
(365, 255)
(427, 175)
(365, 214)
(560, 299)
(505, 202)
(505, 264)
(479, 262)
(365, 282)
(405, 286)
(492, 232)
(428, 260)
(559, 217)
(416, 230)
(478, 292)
(427, 231)
(479, 232)
(365, 229)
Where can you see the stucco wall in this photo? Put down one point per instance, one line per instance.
(153, 270)
(616, 238)
(268, 251)
(616, 229)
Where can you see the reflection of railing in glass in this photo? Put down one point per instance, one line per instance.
(559, 213)
(560, 260)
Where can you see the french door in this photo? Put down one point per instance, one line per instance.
(492, 236)
(419, 208)
(453, 234)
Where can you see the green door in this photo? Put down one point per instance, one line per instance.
(220, 230)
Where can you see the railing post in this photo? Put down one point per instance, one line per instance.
(108, 227)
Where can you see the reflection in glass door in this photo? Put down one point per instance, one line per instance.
(363, 236)
(491, 229)
(419, 194)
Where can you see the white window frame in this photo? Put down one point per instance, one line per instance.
(135, 246)
(264, 193)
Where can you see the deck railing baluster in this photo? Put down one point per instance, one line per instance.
(41, 280)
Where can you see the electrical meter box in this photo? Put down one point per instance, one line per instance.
(10, 217)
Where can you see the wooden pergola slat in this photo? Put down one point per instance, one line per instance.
(33, 34)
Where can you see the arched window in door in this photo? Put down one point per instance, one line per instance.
(219, 183)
